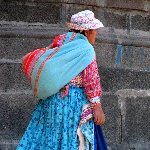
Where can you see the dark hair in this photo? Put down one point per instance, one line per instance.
(77, 31)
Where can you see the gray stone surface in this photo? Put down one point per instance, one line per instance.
(139, 57)
(114, 79)
(16, 48)
(112, 127)
(136, 120)
(105, 52)
(135, 110)
(138, 4)
(15, 113)
(49, 13)
(132, 4)
(8, 145)
(112, 19)
(132, 57)
(15, 43)
(12, 78)
(61, 13)
(139, 22)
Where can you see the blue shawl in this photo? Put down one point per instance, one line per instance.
(71, 59)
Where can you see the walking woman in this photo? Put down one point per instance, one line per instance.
(65, 77)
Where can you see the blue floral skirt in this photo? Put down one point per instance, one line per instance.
(55, 121)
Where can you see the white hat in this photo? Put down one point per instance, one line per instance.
(84, 20)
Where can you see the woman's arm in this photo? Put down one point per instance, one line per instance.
(93, 90)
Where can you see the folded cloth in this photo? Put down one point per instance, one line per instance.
(51, 73)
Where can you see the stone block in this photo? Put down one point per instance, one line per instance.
(112, 127)
(136, 120)
(12, 78)
(16, 48)
(105, 51)
(82, 2)
(8, 145)
(131, 56)
(125, 4)
(46, 13)
(70, 9)
(135, 110)
(113, 79)
(136, 57)
(139, 22)
(111, 18)
(15, 113)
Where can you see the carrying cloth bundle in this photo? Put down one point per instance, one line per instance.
(52, 69)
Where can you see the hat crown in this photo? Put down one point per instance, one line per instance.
(84, 20)
(82, 17)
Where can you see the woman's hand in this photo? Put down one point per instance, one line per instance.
(99, 116)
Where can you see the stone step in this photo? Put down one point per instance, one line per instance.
(12, 78)
(142, 5)
(131, 50)
(127, 118)
(60, 12)
(114, 79)
(8, 145)
(13, 29)
(16, 109)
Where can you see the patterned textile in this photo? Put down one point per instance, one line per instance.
(84, 20)
(55, 121)
(30, 60)
(53, 70)
(89, 79)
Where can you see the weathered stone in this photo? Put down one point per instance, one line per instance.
(135, 112)
(136, 130)
(114, 79)
(105, 52)
(45, 31)
(81, 2)
(112, 127)
(8, 145)
(49, 13)
(12, 78)
(138, 4)
(139, 22)
(15, 43)
(111, 19)
(126, 146)
(16, 109)
(132, 4)
(16, 48)
(137, 57)
(71, 9)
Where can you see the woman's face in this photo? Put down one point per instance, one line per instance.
(91, 35)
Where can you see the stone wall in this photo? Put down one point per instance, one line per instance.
(123, 55)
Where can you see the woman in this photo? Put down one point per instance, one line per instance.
(68, 118)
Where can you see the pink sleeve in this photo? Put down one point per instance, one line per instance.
(91, 82)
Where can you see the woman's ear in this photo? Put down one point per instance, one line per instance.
(86, 33)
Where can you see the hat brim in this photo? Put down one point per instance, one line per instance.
(94, 24)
